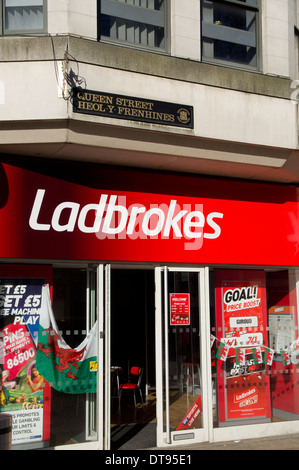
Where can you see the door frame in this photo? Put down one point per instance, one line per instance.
(104, 314)
(165, 437)
(104, 392)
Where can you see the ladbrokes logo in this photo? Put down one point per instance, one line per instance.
(248, 398)
(111, 218)
(241, 396)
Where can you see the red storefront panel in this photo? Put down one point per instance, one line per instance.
(184, 220)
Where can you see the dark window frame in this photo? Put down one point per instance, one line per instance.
(135, 15)
(214, 32)
(23, 31)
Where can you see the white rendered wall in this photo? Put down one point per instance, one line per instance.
(185, 29)
(219, 114)
(75, 17)
(278, 37)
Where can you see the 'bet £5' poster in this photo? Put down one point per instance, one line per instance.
(23, 393)
(241, 319)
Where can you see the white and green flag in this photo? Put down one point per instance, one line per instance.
(65, 369)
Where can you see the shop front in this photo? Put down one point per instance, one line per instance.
(143, 309)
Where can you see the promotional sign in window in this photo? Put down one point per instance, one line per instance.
(241, 315)
(179, 309)
(24, 392)
(192, 415)
(282, 328)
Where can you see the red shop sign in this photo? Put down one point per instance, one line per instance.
(209, 221)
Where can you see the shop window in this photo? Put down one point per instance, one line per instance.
(255, 352)
(230, 32)
(72, 414)
(136, 23)
(48, 365)
(23, 16)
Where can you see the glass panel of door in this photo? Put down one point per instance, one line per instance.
(181, 347)
(73, 415)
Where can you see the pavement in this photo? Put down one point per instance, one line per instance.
(288, 442)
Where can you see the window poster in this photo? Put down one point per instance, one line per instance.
(179, 309)
(281, 327)
(23, 393)
(241, 319)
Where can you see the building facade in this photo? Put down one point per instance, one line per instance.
(149, 221)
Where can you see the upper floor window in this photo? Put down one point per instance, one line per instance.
(230, 32)
(140, 23)
(23, 16)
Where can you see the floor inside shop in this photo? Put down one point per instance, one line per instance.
(135, 428)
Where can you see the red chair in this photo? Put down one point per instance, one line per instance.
(136, 373)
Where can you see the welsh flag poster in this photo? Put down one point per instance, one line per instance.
(268, 356)
(257, 355)
(222, 352)
(285, 357)
(66, 369)
(240, 356)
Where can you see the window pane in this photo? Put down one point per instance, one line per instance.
(255, 352)
(149, 4)
(135, 22)
(48, 371)
(24, 15)
(184, 359)
(250, 2)
(131, 32)
(71, 413)
(229, 33)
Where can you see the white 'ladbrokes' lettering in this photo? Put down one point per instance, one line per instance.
(111, 218)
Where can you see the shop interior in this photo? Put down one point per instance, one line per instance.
(132, 350)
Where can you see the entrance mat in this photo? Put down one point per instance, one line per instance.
(133, 436)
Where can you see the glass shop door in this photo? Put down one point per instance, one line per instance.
(182, 356)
